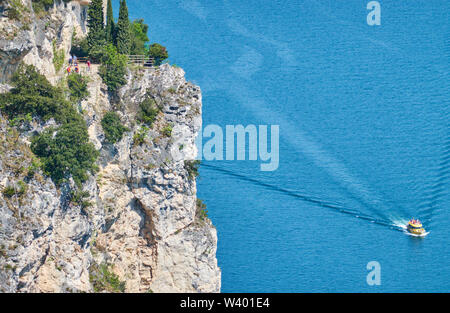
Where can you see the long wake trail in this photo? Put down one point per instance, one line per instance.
(438, 189)
(326, 204)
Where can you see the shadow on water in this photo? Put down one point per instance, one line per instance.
(326, 204)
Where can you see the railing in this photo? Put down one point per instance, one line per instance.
(82, 59)
(142, 60)
(139, 60)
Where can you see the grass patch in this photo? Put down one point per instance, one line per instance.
(140, 135)
(19, 190)
(16, 10)
(58, 57)
(167, 130)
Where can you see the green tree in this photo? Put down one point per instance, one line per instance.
(158, 52)
(80, 47)
(110, 25)
(96, 35)
(31, 94)
(66, 151)
(123, 35)
(113, 68)
(139, 37)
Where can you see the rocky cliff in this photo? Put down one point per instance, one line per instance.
(144, 230)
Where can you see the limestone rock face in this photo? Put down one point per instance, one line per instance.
(27, 36)
(143, 222)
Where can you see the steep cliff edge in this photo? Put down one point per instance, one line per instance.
(144, 226)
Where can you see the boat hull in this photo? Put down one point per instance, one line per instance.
(415, 231)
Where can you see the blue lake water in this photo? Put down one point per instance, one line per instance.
(364, 129)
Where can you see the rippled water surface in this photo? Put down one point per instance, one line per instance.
(364, 137)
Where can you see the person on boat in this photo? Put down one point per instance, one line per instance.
(68, 69)
(77, 69)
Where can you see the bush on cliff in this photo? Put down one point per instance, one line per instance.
(158, 52)
(103, 279)
(58, 57)
(148, 111)
(201, 212)
(78, 87)
(112, 127)
(113, 68)
(65, 150)
(16, 10)
(191, 166)
(41, 5)
(32, 94)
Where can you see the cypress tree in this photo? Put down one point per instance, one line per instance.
(110, 26)
(96, 35)
(123, 36)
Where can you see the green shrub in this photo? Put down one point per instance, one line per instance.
(41, 5)
(158, 52)
(201, 213)
(78, 198)
(139, 136)
(9, 191)
(103, 279)
(16, 10)
(148, 111)
(112, 127)
(191, 166)
(32, 94)
(113, 68)
(66, 151)
(78, 87)
(20, 120)
(34, 167)
(167, 130)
